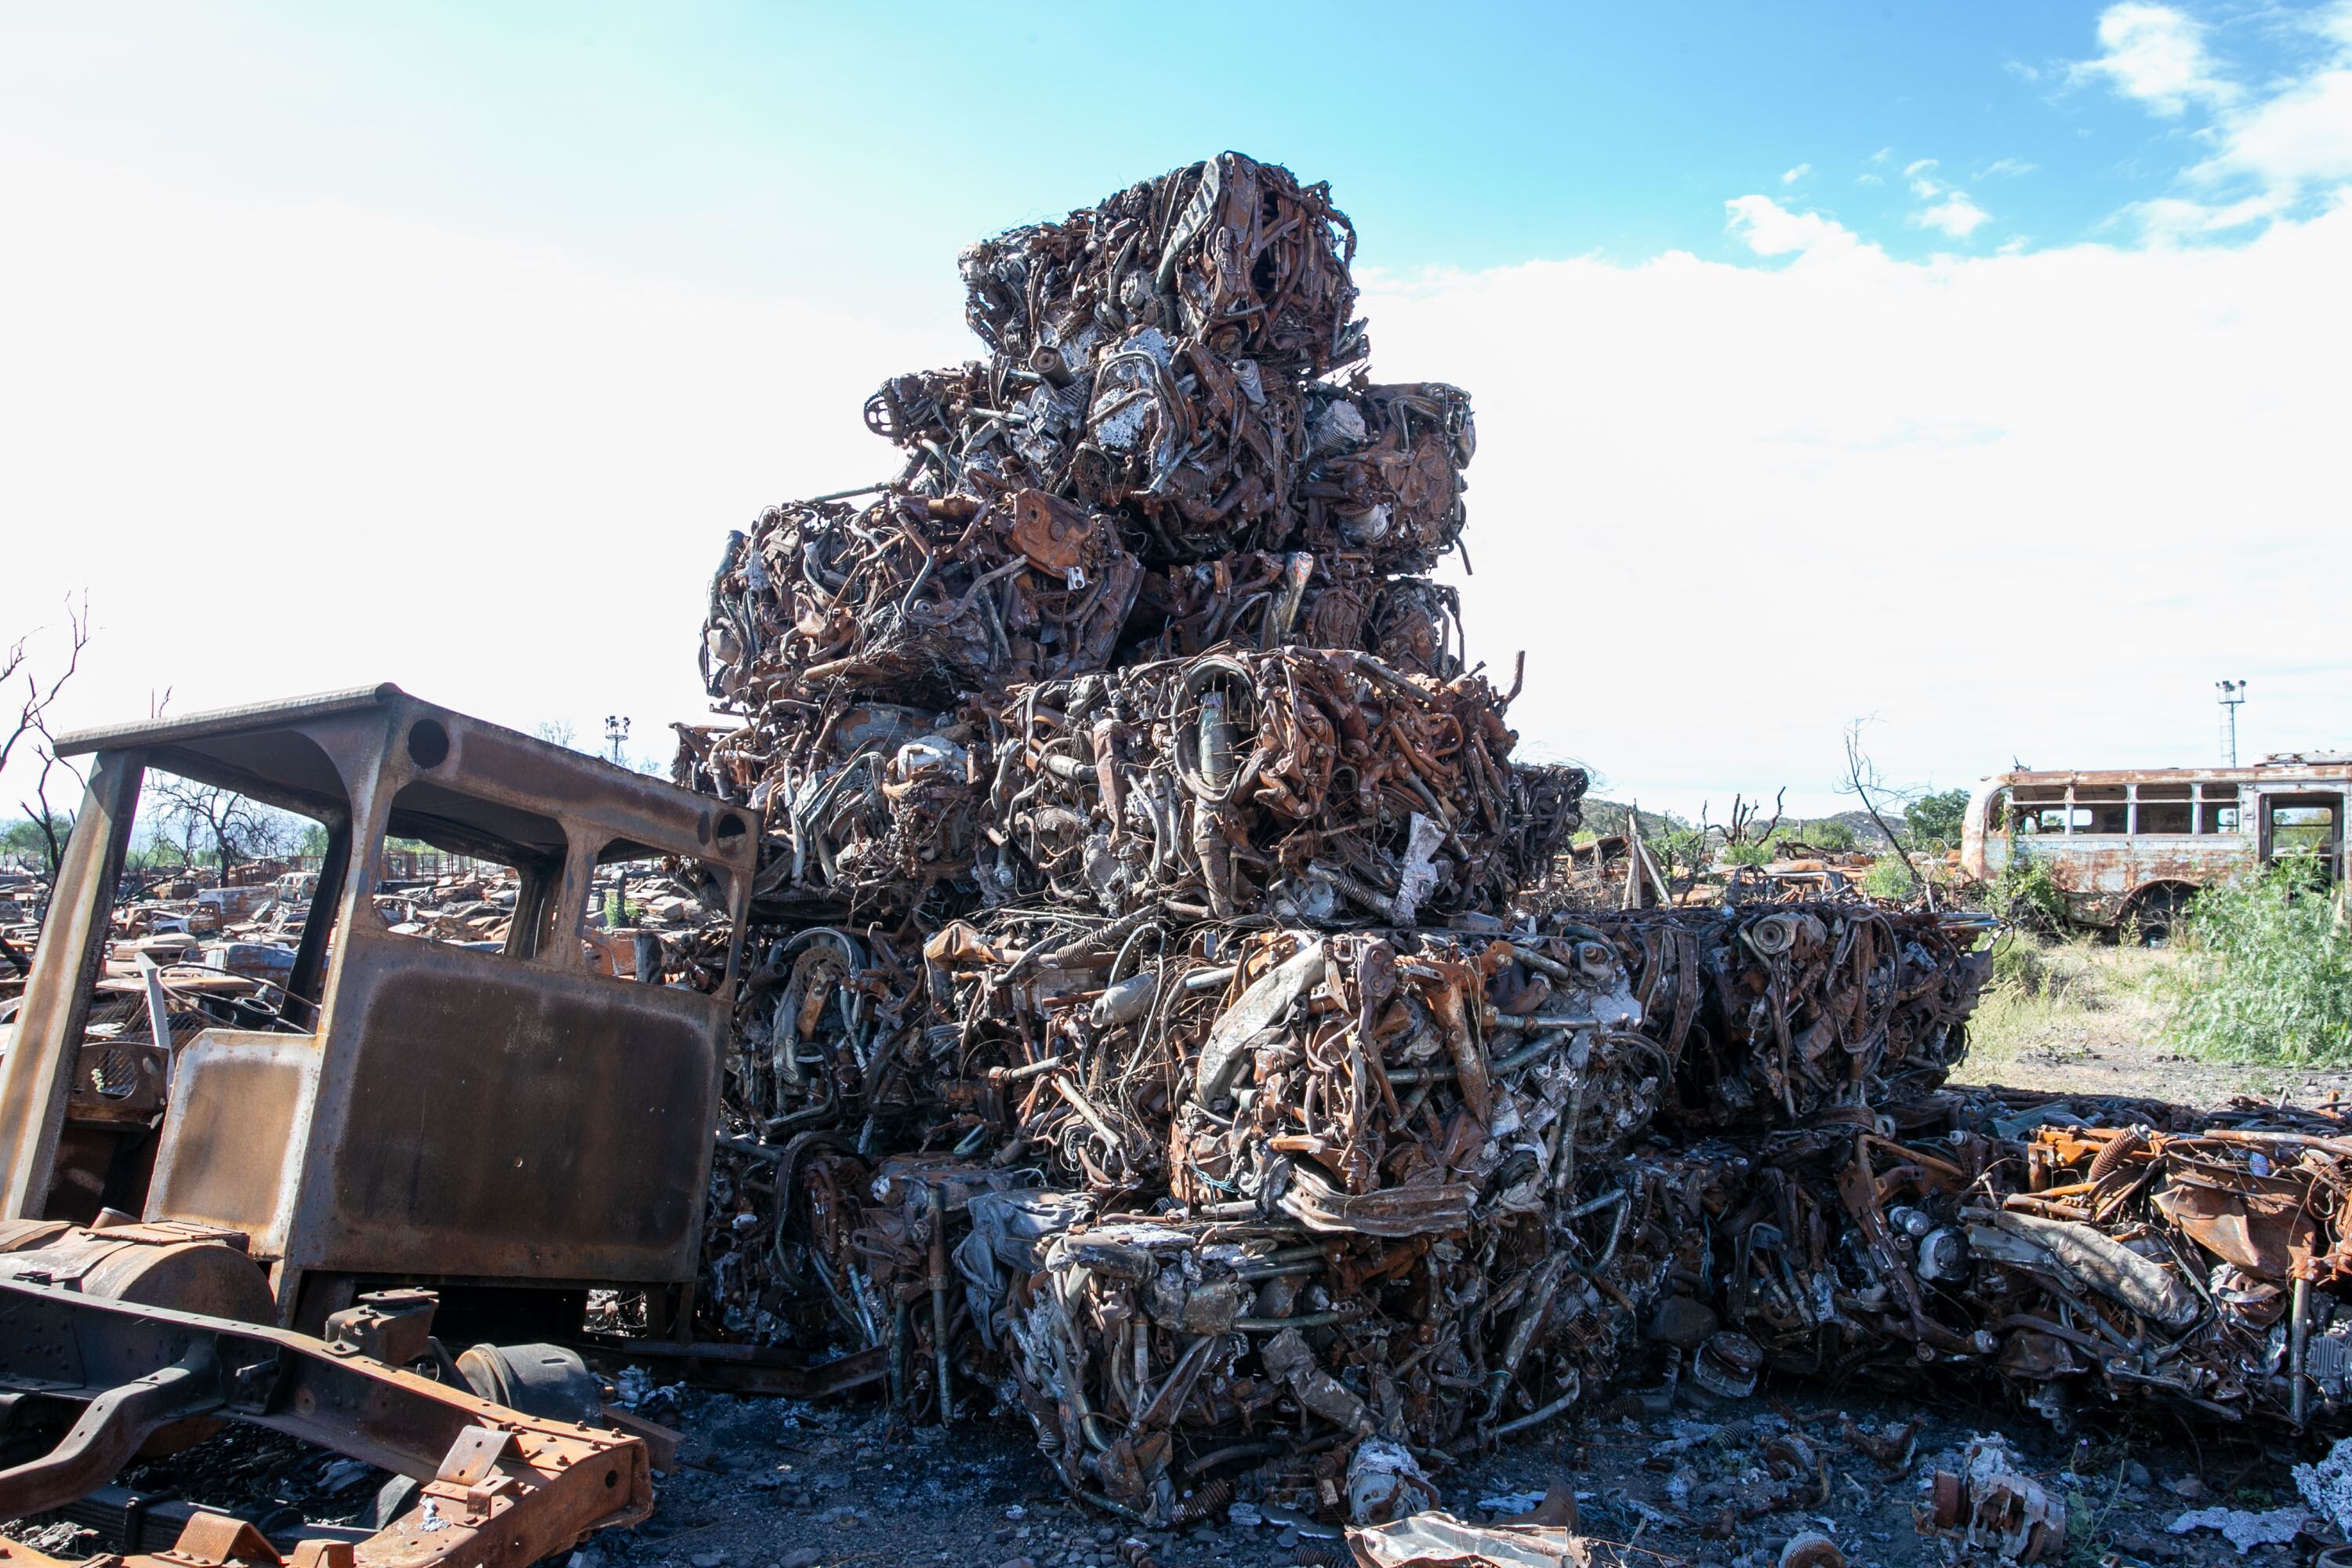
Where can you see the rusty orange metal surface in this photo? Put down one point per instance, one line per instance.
(2134, 843)
(403, 1110)
(501, 1488)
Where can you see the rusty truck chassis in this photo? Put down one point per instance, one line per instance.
(501, 1489)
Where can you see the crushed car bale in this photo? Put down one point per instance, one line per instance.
(1144, 1028)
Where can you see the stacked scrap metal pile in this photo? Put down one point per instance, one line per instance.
(2095, 1254)
(1781, 1015)
(1138, 1032)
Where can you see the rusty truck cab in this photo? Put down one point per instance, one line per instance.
(401, 1111)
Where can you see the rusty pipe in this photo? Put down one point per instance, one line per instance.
(2298, 1347)
(937, 1203)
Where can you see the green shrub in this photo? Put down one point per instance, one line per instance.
(1890, 877)
(1833, 837)
(1746, 854)
(2026, 894)
(2019, 963)
(2267, 974)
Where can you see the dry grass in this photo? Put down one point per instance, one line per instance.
(2084, 1017)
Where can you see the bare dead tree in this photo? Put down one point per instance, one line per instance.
(31, 727)
(32, 714)
(241, 829)
(1744, 813)
(1867, 784)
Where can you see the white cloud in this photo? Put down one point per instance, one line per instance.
(296, 449)
(2289, 143)
(1798, 173)
(2299, 138)
(2027, 505)
(2168, 218)
(1767, 228)
(2008, 168)
(1956, 215)
(2157, 54)
(2019, 505)
(2334, 23)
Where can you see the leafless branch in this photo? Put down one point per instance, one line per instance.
(1865, 782)
(32, 715)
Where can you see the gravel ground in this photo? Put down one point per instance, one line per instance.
(773, 1483)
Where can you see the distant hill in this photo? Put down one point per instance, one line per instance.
(1607, 817)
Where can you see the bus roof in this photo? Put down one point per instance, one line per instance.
(2288, 767)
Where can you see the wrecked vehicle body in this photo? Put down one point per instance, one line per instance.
(308, 1132)
(397, 1126)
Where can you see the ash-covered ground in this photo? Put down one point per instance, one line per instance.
(767, 1482)
(772, 1483)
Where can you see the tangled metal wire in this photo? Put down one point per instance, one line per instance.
(1140, 1025)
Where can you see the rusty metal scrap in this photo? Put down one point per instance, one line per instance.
(1322, 785)
(1776, 1013)
(498, 1487)
(2084, 1256)
(1139, 1024)
(1365, 1088)
(870, 807)
(915, 598)
(1230, 250)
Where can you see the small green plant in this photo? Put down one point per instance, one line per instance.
(617, 910)
(1833, 837)
(2088, 1540)
(2028, 895)
(2268, 973)
(1746, 854)
(1890, 877)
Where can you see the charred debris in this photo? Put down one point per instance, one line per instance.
(1143, 1028)
(1161, 1006)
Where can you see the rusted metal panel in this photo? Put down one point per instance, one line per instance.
(231, 1144)
(503, 1490)
(38, 1072)
(483, 1119)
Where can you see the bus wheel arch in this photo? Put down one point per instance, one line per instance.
(2154, 909)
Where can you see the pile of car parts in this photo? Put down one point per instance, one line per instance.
(2093, 1254)
(93, 1373)
(1776, 1014)
(1142, 1027)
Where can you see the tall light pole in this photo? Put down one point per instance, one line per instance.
(2231, 695)
(616, 730)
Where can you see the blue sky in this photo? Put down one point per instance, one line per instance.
(758, 144)
(1758, 304)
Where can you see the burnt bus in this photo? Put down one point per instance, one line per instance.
(2129, 845)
